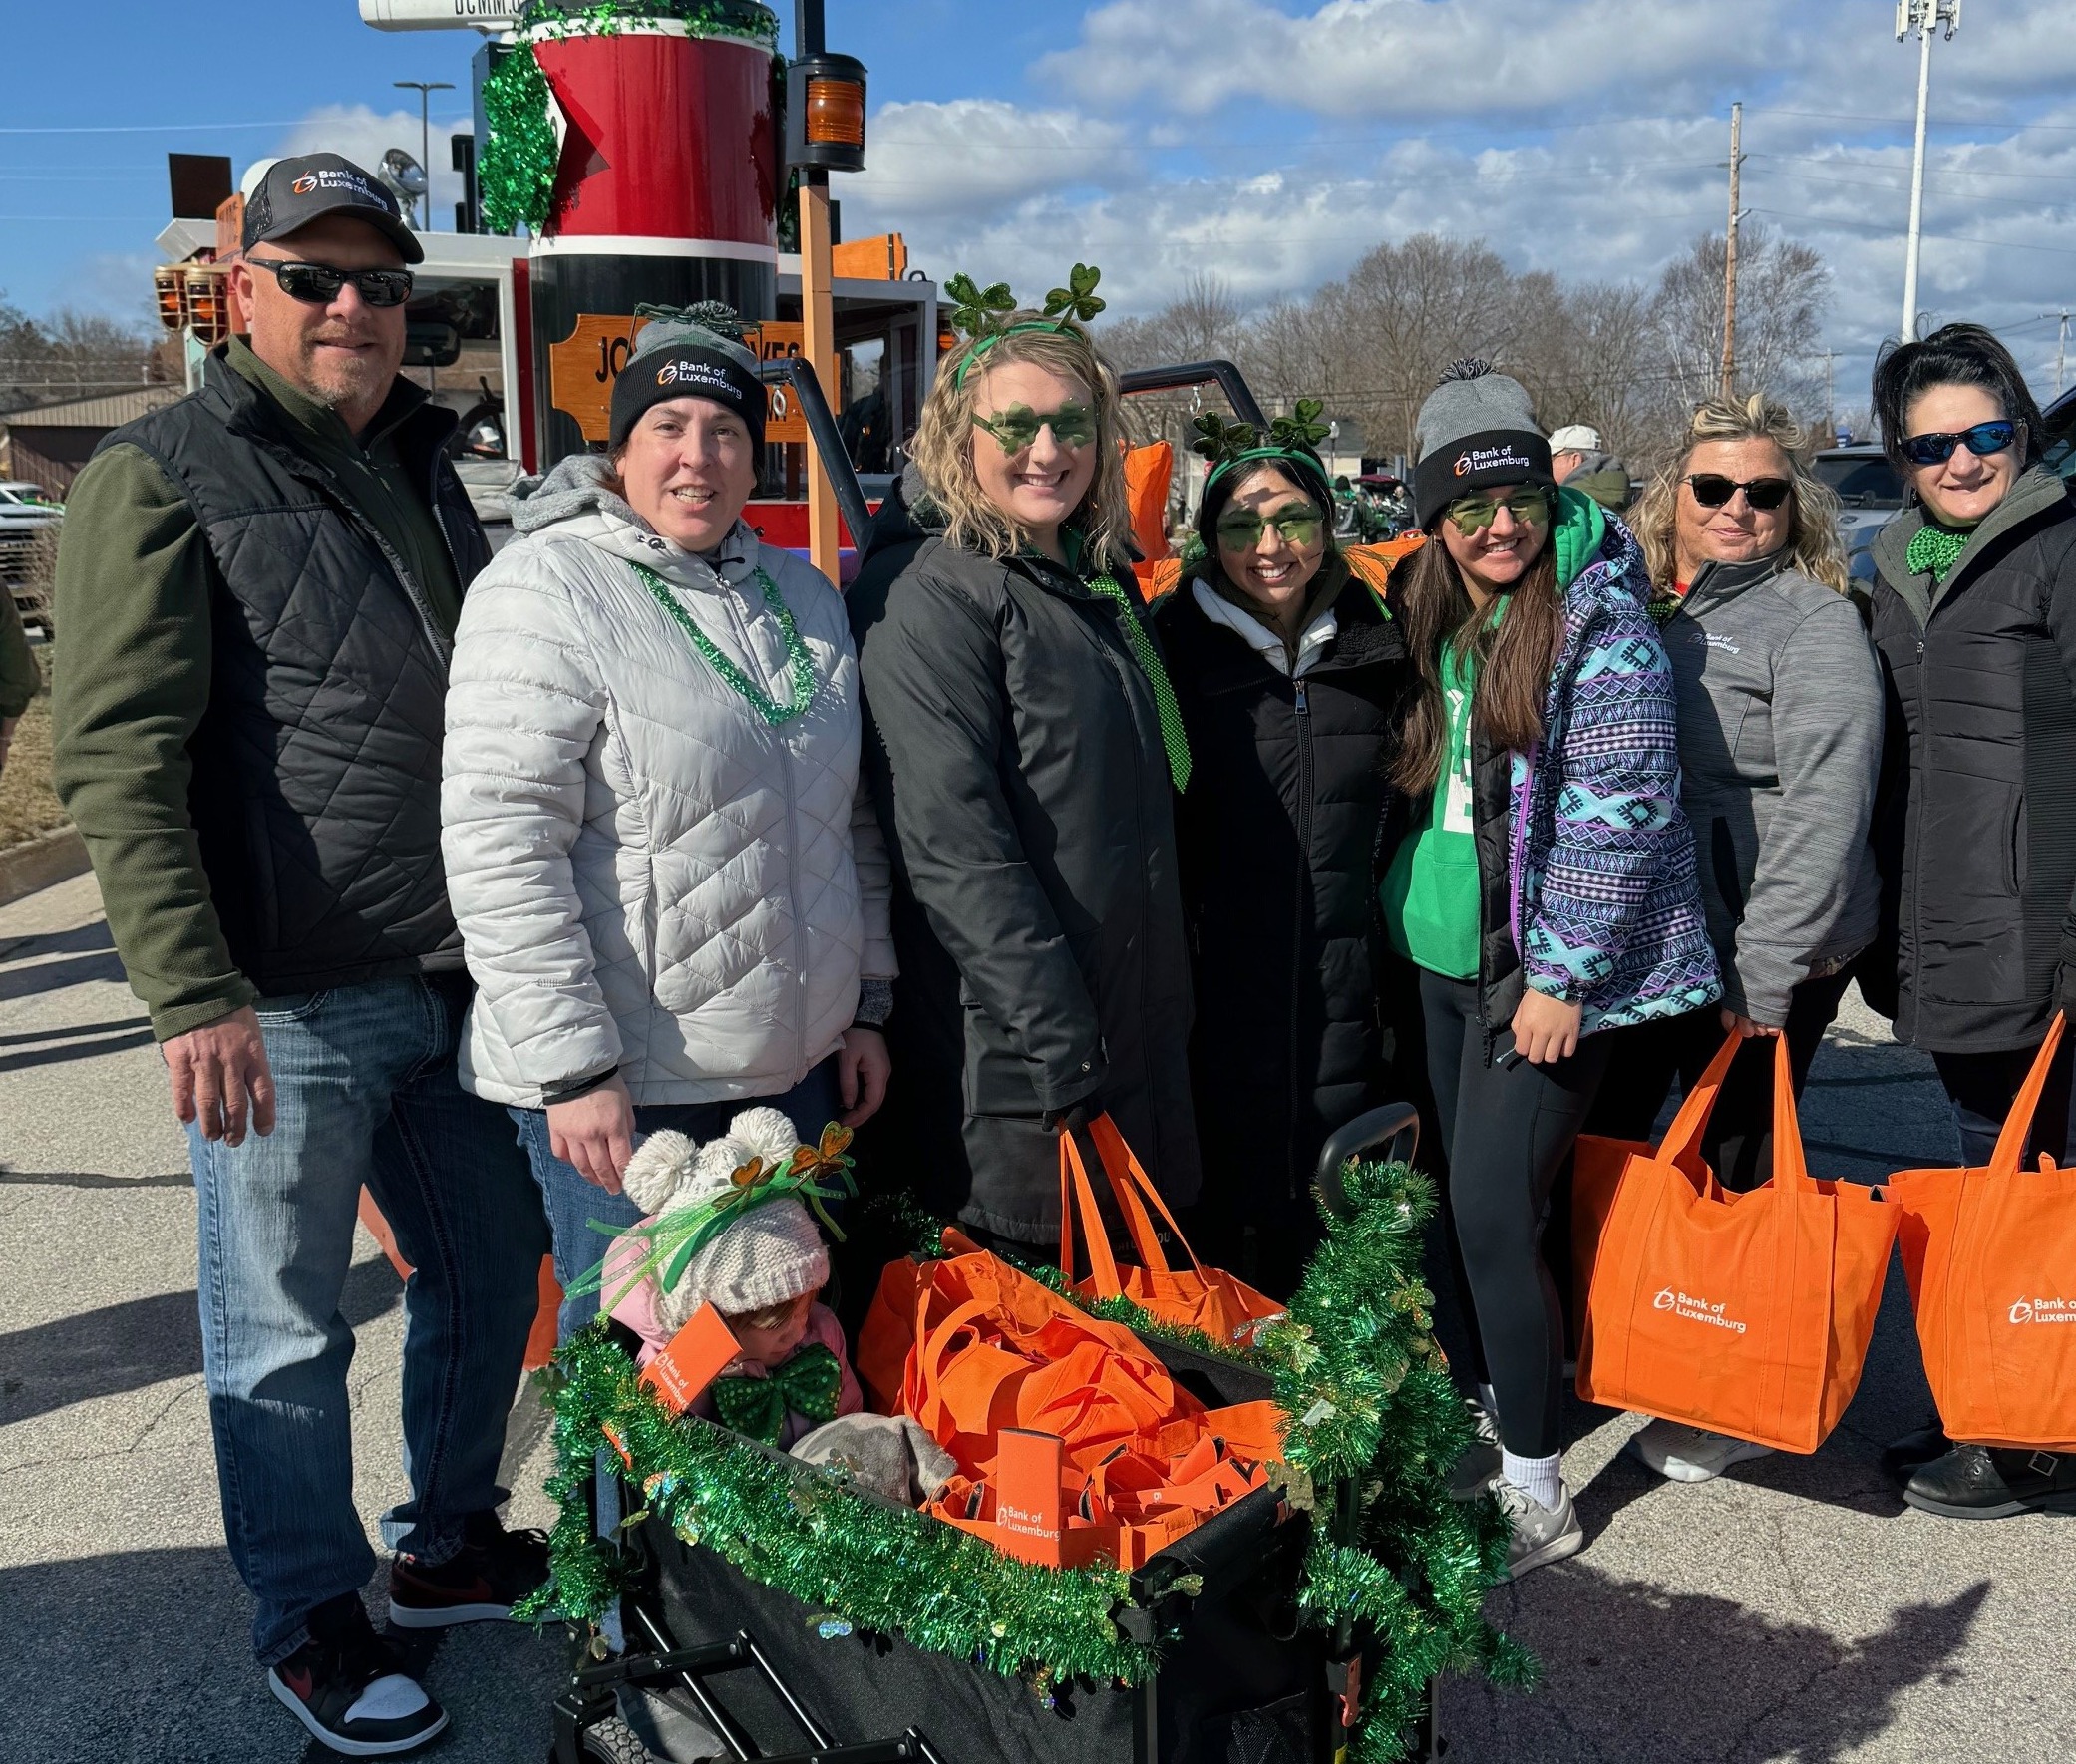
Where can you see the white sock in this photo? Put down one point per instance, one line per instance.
(1537, 1478)
(1489, 1398)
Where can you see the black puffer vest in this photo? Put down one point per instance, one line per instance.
(316, 793)
(1278, 833)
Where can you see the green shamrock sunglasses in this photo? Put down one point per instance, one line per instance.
(1240, 529)
(1072, 425)
(1475, 514)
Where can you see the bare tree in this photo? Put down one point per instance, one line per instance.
(1783, 290)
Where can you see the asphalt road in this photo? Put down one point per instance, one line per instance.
(1794, 1611)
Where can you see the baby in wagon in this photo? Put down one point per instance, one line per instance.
(729, 1225)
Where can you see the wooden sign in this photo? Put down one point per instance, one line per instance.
(582, 367)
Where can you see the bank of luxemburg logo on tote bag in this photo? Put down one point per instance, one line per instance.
(1748, 1314)
(1991, 1258)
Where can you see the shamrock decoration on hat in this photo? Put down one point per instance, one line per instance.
(1225, 445)
(982, 314)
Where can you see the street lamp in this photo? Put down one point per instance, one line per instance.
(1925, 17)
(425, 89)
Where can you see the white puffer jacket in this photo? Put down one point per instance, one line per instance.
(646, 872)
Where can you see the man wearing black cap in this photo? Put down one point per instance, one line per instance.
(259, 587)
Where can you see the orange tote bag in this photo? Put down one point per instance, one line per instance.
(1205, 1299)
(1747, 1314)
(1991, 1259)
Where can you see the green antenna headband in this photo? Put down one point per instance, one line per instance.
(1292, 437)
(981, 313)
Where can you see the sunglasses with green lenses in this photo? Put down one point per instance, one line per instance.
(1240, 529)
(1475, 514)
(1072, 425)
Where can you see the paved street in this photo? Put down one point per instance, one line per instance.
(1794, 1611)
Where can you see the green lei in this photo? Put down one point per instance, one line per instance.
(799, 666)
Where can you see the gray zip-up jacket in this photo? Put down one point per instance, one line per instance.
(1779, 743)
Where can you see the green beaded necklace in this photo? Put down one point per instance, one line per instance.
(1173, 736)
(799, 666)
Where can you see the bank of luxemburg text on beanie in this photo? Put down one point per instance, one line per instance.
(1477, 431)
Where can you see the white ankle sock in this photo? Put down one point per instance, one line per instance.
(1537, 1478)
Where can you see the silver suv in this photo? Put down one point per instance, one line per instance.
(1870, 493)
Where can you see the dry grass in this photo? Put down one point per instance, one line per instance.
(28, 804)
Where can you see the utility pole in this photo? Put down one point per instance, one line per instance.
(1730, 255)
(1830, 407)
(2061, 347)
(1925, 17)
(425, 89)
(818, 314)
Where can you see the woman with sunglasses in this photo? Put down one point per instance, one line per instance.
(1975, 616)
(1780, 736)
(1288, 670)
(1541, 879)
(1024, 748)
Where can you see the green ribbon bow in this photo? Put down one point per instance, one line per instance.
(806, 1385)
(678, 1234)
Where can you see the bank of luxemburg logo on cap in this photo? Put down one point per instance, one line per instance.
(1487, 458)
(304, 185)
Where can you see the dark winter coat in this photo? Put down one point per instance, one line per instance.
(1279, 833)
(1975, 828)
(1014, 751)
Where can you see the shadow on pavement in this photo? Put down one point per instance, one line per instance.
(123, 1347)
(1633, 1672)
(71, 1048)
(143, 1657)
(54, 976)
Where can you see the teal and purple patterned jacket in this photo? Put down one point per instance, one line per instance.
(1604, 907)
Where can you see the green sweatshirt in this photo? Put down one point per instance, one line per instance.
(19, 679)
(136, 579)
(1430, 894)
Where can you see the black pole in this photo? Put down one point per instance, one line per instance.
(807, 36)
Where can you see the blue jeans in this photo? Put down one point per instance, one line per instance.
(573, 1203)
(364, 1079)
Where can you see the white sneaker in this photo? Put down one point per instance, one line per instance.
(1478, 1468)
(1692, 1454)
(1541, 1534)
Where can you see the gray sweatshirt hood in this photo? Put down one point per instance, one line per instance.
(575, 486)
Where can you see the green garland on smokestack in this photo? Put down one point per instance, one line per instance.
(1364, 1395)
(516, 174)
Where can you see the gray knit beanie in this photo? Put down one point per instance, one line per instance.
(1476, 430)
(689, 352)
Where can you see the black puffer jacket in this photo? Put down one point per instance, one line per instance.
(1014, 751)
(1975, 824)
(1280, 831)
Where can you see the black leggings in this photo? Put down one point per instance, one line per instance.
(1507, 1131)
(1645, 1058)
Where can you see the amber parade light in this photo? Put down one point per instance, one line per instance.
(208, 293)
(165, 292)
(825, 113)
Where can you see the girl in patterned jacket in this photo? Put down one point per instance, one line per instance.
(1541, 882)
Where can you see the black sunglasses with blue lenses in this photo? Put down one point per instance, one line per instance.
(1982, 438)
(318, 284)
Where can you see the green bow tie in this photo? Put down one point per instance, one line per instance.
(804, 1385)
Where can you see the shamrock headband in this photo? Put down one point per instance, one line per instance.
(979, 313)
(1295, 439)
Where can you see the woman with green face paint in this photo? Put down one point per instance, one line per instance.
(1288, 667)
(1023, 739)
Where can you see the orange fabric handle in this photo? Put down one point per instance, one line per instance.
(1076, 1188)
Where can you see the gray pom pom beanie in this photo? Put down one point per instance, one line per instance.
(679, 356)
(1476, 430)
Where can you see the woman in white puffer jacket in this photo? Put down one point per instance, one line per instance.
(670, 882)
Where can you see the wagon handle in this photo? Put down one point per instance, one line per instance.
(1396, 1125)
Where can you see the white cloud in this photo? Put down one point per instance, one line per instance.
(978, 153)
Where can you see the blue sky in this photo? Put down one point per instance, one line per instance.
(1270, 142)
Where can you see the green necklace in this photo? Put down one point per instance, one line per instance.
(800, 665)
(1174, 737)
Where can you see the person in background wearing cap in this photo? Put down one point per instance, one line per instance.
(671, 883)
(1541, 882)
(259, 587)
(1288, 670)
(1580, 458)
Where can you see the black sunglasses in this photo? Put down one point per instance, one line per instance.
(1712, 490)
(1936, 449)
(318, 284)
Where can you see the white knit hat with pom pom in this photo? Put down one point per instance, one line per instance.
(770, 1255)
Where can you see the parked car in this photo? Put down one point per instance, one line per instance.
(2060, 418)
(1870, 493)
(29, 523)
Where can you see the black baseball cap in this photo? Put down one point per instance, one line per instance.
(308, 187)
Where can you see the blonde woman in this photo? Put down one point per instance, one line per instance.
(1023, 747)
(1780, 738)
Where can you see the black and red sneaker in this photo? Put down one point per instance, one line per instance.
(349, 1688)
(481, 1583)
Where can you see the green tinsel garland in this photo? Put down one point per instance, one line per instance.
(1364, 1394)
(517, 176)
